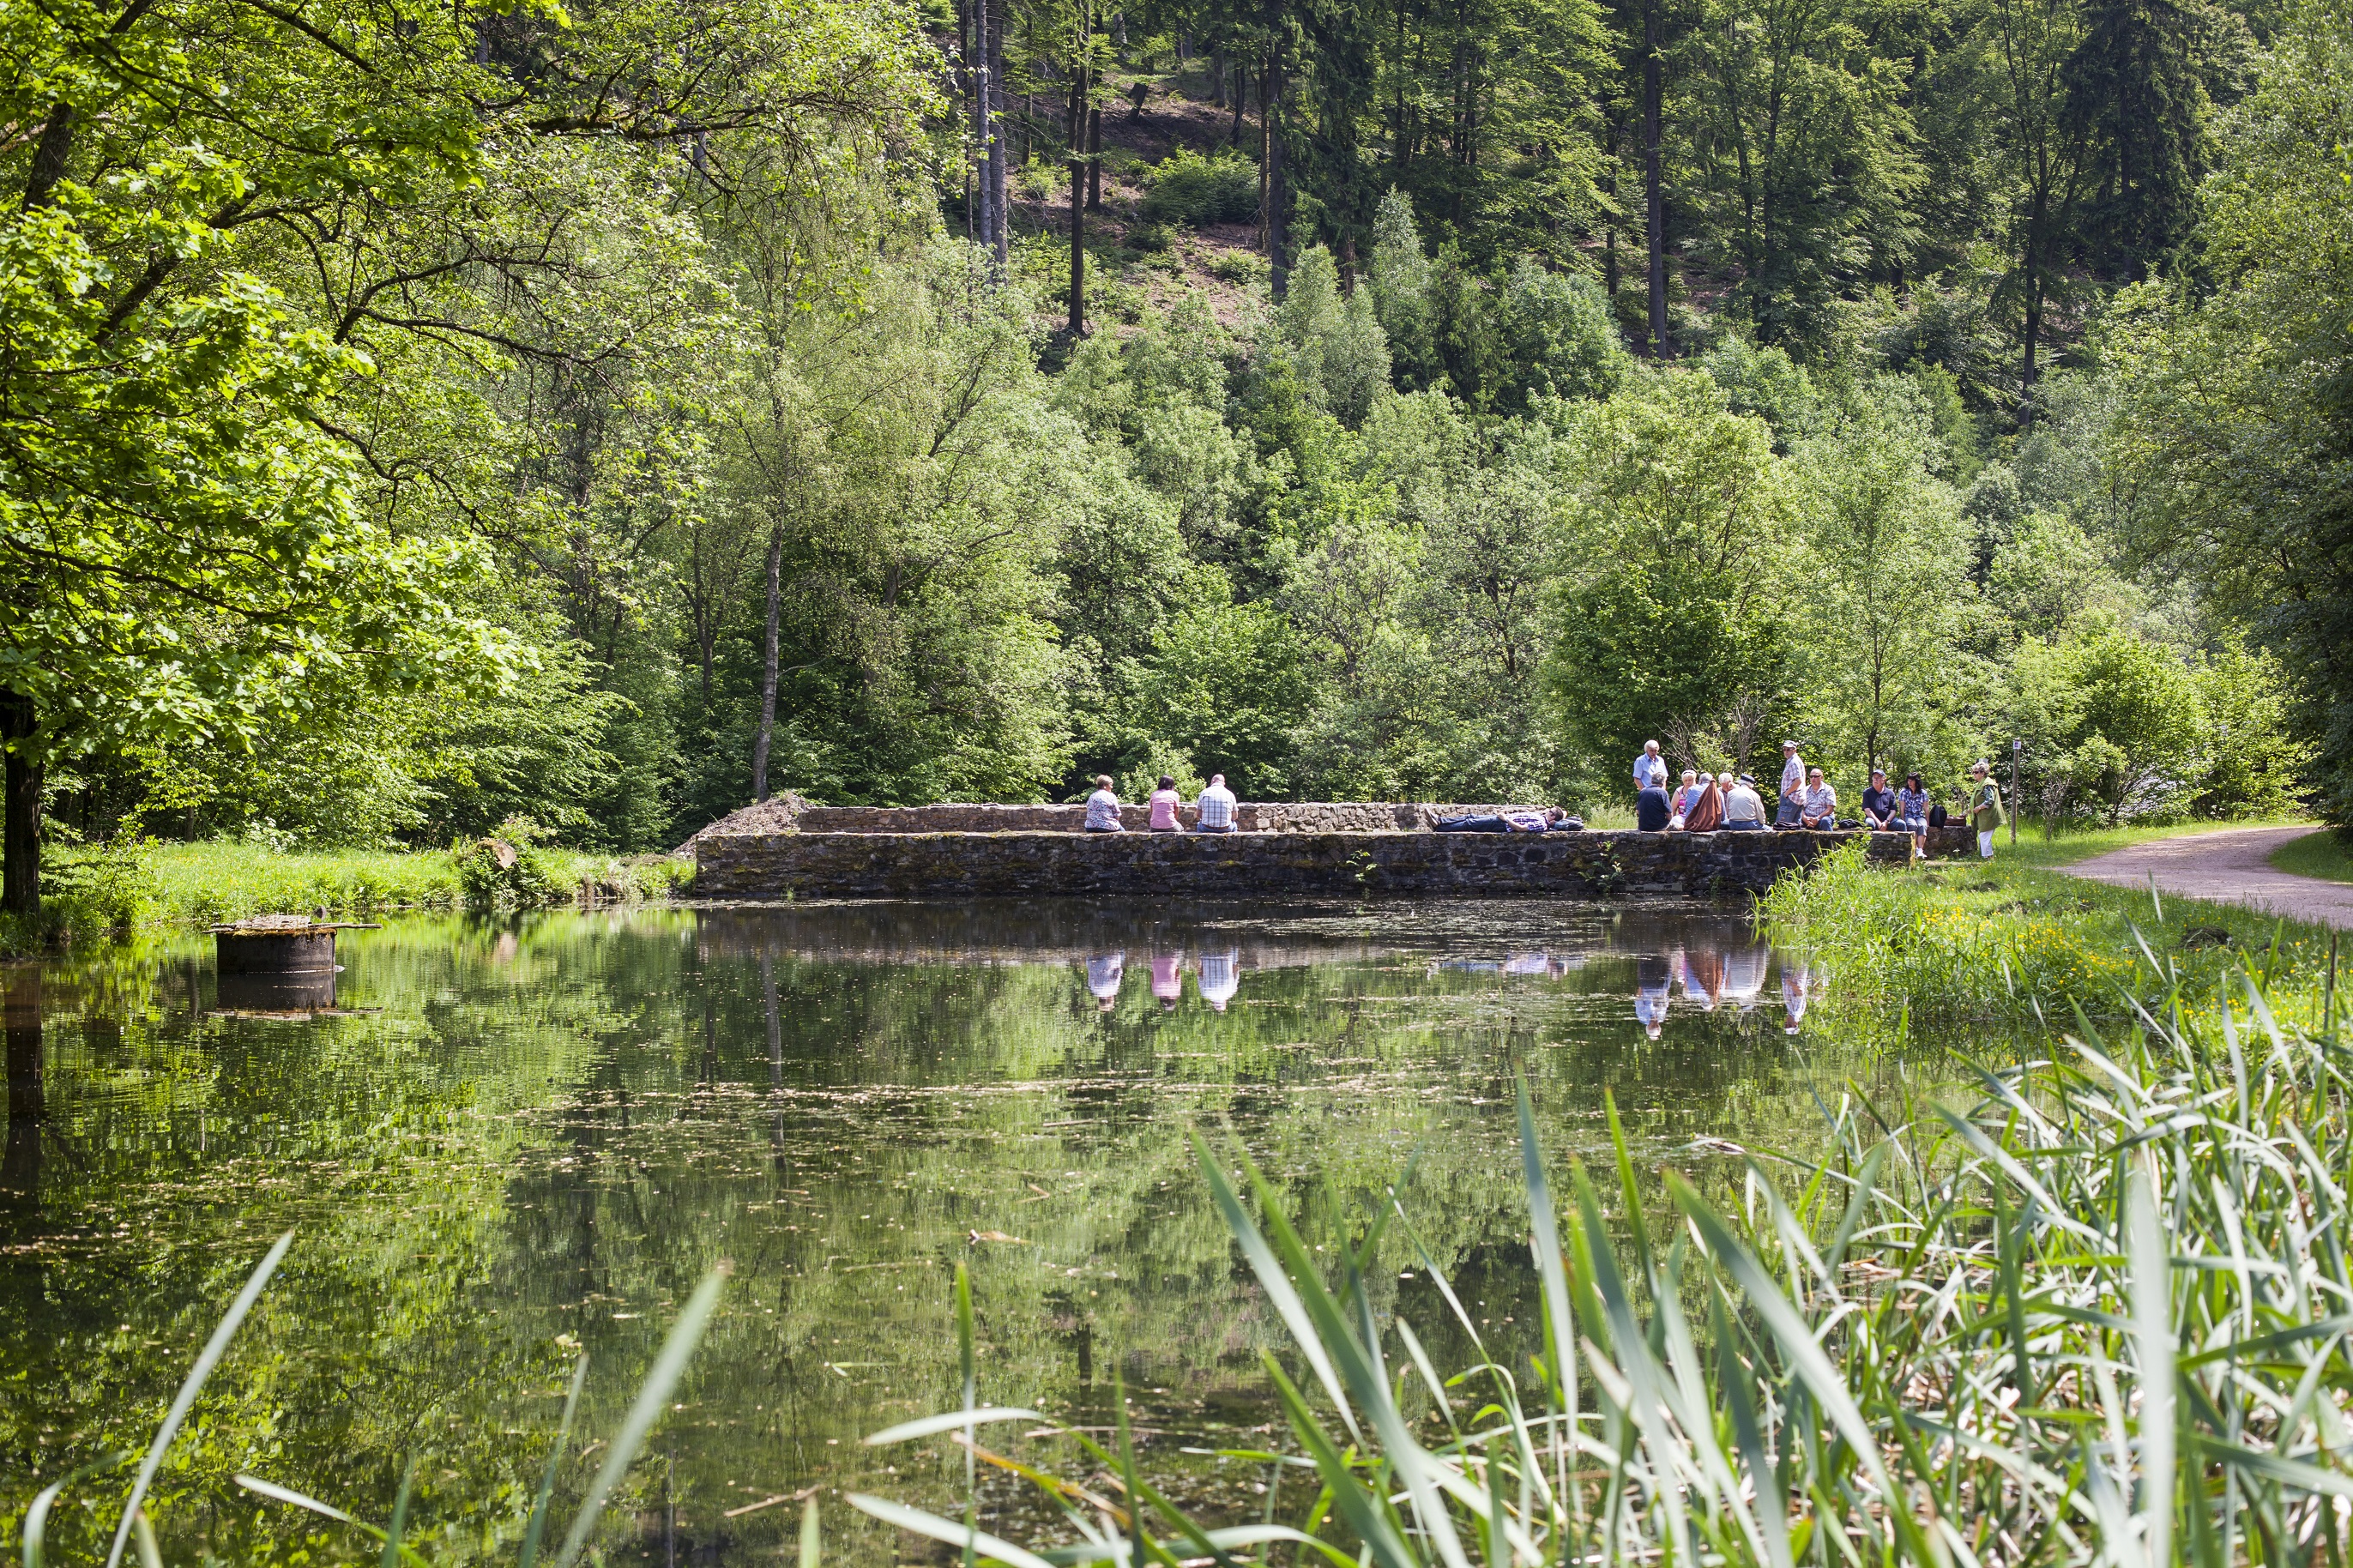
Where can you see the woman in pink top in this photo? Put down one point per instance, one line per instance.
(1163, 802)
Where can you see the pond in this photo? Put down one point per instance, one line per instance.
(509, 1141)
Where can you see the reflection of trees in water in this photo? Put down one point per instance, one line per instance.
(556, 1126)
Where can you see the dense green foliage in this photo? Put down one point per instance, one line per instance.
(404, 429)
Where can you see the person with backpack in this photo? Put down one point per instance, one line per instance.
(1984, 809)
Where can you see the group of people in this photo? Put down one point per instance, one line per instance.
(1733, 979)
(1213, 811)
(1218, 975)
(1807, 802)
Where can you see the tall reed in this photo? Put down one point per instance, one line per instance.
(2097, 1315)
(133, 1528)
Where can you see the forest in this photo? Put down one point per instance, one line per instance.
(587, 418)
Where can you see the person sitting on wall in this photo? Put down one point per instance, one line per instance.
(1706, 815)
(1686, 796)
(1164, 801)
(1878, 803)
(1550, 819)
(1102, 808)
(1651, 810)
(1912, 813)
(1743, 808)
(1217, 807)
(1818, 812)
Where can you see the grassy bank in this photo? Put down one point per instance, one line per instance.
(2015, 940)
(2322, 855)
(124, 885)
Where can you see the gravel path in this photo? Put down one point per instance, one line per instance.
(2228, 867)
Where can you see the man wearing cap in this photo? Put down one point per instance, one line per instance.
(1743, 808)
(1792, 810)
(1984, 808)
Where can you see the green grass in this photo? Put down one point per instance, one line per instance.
(2015, 941)
(119, 887)
(2324, 855)
(2069, 845)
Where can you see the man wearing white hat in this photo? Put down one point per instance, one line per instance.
(1985, 807)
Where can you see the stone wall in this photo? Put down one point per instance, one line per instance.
(1249, 816)
(846, 865)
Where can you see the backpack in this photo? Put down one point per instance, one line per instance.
(1936, 815)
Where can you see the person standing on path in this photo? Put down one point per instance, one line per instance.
(1984, 809)
(1792, 810)
(1649, 768)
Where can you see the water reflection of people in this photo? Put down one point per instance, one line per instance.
(1167, 979)
(1744, 975)
(1220, 977)
(1104, 973)
(1702, 976)
(1528, 964)
(1652, 978)
(1799, 985)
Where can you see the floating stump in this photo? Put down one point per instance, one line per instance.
(288, 956)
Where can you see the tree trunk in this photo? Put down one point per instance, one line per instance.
(1000, 233)
(1654, 205)
(1242, 96)
(977, 54)
(20, 1165)
(2031, 334)
(1077, 246)
(1094, 158)
(1217, 76)
(769, 669)
(1278, 192)
(20, 878)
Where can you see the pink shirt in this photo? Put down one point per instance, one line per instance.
(1163, 810)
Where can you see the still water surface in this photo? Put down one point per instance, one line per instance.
(508, 1142)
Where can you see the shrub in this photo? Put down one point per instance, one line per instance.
(1188, 188)
(1148, 238)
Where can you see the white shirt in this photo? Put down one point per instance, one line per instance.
(1220, 977)
(1217, 804)
(1743, 805)
(1104, 971)
(1102, 811)
(1647, 768)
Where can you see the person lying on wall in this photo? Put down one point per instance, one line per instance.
(1550, 820)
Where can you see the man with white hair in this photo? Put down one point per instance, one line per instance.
(1649, 768)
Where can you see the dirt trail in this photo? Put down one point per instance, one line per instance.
(2228, 867)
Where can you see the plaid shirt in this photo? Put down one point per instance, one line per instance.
(1216, 804)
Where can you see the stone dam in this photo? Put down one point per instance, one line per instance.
(1315, 848)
